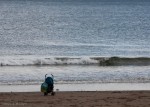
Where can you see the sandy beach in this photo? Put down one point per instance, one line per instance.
(77, 99)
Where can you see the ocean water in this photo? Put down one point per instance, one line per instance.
(76, 40)
(34, 27)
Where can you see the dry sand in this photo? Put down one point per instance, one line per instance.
(77, 99)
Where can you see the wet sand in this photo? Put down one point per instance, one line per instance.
(77, 99)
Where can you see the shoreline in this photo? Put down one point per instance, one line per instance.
(80, 87)
(77, 99)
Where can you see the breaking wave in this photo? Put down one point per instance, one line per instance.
(101, 61)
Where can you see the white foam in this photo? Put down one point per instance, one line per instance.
(31, 75)
(24, 61)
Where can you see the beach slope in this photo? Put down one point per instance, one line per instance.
(77, 99)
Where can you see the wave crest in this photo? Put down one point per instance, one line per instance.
(101, 61)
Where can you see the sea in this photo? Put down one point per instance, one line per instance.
(86, 44)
